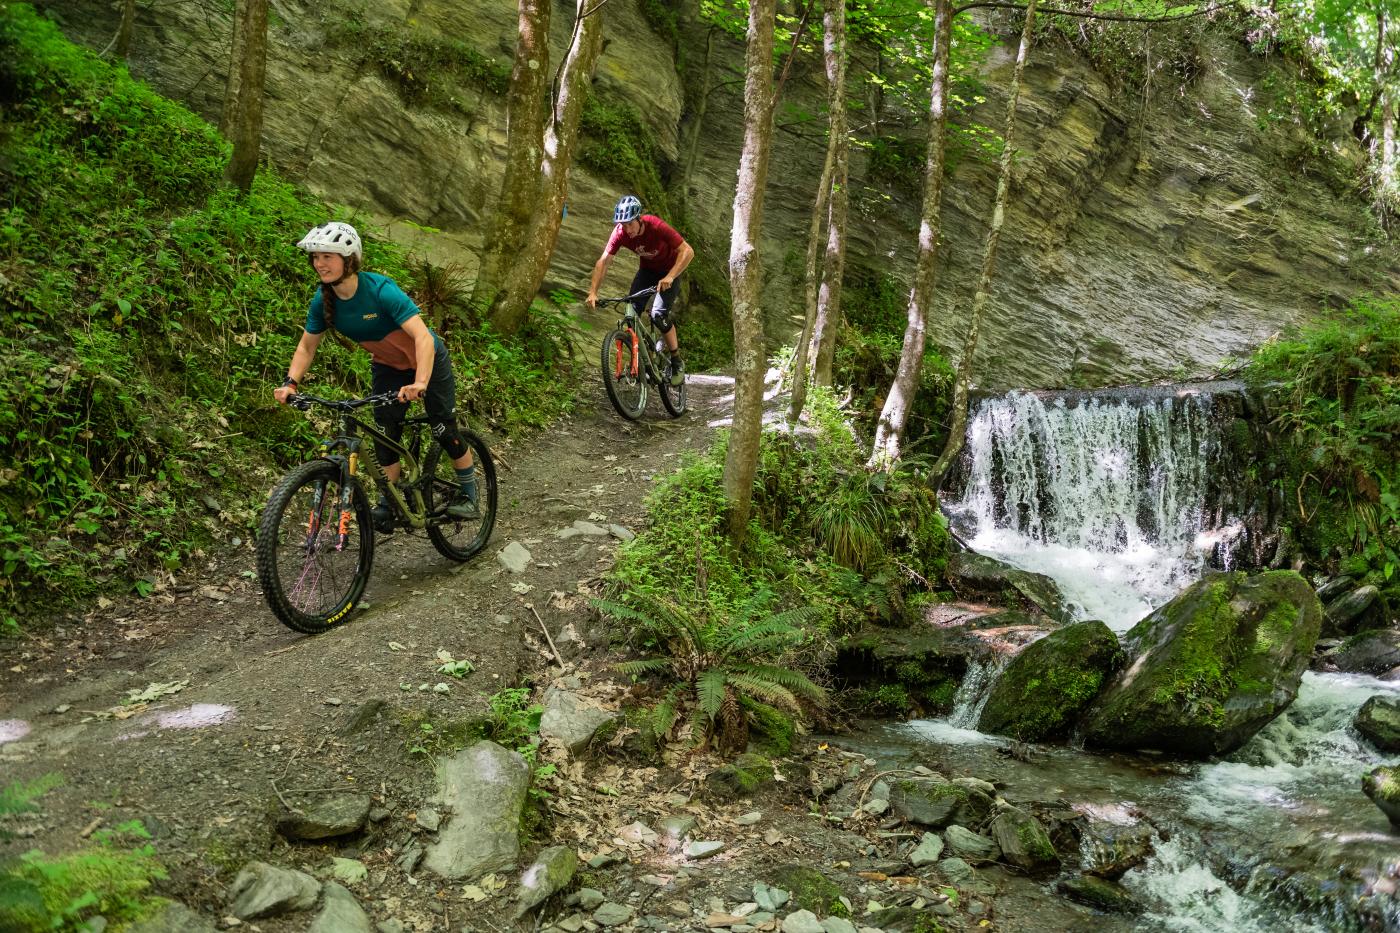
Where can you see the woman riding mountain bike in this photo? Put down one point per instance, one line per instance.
(408, 358)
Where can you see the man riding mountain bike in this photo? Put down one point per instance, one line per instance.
(662, 255)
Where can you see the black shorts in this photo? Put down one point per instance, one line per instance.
(660, 311)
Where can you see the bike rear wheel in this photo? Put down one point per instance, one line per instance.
(311, 578)
(626, 390)
(460, 539)
(672, 397)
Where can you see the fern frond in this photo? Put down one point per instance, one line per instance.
(665, 713)
(766, 691)
(709, 690)
(644, 666)
(742, 638)
(792, 680)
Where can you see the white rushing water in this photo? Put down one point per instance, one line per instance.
(1107, 498)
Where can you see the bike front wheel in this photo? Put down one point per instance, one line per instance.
(622, 374)
(314, 559)
(456, 538)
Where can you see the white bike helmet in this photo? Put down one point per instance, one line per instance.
(333, 237)
(628, 209)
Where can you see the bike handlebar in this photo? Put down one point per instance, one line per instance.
(303, 402)
(629, 298)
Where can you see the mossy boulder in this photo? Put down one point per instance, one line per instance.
(938, 803)
(1367, 653)
(981, 574)
(740, 778)
(1100, 894)
(810, 889)
(1023, 841)
(1212, 667)
(1379, 721)
(1382, 785)
(1045, 687)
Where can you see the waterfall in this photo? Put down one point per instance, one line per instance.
(1106, 495)
(973, 692)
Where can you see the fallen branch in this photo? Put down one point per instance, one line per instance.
(549, 638)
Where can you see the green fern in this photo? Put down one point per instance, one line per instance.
(716, 666)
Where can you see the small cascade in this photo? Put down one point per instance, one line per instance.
(973, 692)
(1115, 497)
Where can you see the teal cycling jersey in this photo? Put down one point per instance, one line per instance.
(373, 318)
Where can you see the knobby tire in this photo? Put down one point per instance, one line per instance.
(460, 540)
(617, 354)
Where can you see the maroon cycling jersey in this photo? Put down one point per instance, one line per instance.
(656, 246)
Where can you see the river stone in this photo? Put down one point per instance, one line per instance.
(1334, 588)
(1367, 653)
(742, 777)
(969, 846)
(263, 890)
(484, 785)
(1109, 850)
(838, 925)
(928, 851)
(612, 915)
(571, 721)
(1382, 785)
(989, 575)
(340, 913)
(551, 872)
(802, 921)
(1342, 613)
(1212, 667)
(1379, 721)
(172, 918)
(937, 803)
(325, 817)
(1099, 893)
(956, 871)
(1049, 683)
(678, 826)
(1023, 841)
(704, 849)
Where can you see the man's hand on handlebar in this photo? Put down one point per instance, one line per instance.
(412, 392)
(283, 393)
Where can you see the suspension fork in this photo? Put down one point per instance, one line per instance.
(635, 350)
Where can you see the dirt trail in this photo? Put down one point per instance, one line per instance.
(266, 710)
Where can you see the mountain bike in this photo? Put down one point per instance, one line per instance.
(316, 537)
(633, 358)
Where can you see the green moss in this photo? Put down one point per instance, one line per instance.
(425, 68)
(810, 889)
(618, 144)
(773, 730)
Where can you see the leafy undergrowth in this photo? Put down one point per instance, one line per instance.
(146, 312)
(827, 538)
(1336, 388)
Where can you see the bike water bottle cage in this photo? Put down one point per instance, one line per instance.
(628, 209)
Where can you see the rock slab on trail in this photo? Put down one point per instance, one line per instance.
(570, 720)
(326, 817)
(341, 913)
(484, 786)
(263, 890)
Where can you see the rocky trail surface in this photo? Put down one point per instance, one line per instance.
(328, 782)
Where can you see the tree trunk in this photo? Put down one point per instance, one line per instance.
(127, 27)
(510, 220)
(889, 433)
(246, 122)
(695, 95)
(801, 357)
(958, 427)
(745, 273)
(527, 270)
(829, 296)
(235, 59)
(1385, 67)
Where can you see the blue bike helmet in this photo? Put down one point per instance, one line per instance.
(628, 209)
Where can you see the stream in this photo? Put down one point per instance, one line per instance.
(1109, 498)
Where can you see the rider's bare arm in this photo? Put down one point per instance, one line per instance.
(684, 254)
(600, 269)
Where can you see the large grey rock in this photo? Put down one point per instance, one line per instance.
(1048, 684)
(340, 913)
(263, 890)
(1099, 893)
(1023, 841)
(1343, 612)
(173, 918)
(550, 873)
(515, 557)
(935, 802)
(325, 817)
(980, 573)
(1379, 721)
(484, 785)
(1367, 653)
(927, 852)
(969, 846)
(570, 720)
(612, 915)
(1109, 850)
(802, 921)
(1382, 785)
(1212, 667)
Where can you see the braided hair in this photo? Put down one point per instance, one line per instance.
(352, 267)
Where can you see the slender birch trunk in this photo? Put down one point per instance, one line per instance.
(958, 428)
(828, 317)
(511, 219)
(127, 27)
(889, 433)
(1385, 67)
(235, 74)
(801, 357)
(527, 270)
(246, 123)
(745, 272)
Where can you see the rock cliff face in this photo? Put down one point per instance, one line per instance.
(1141, 242)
